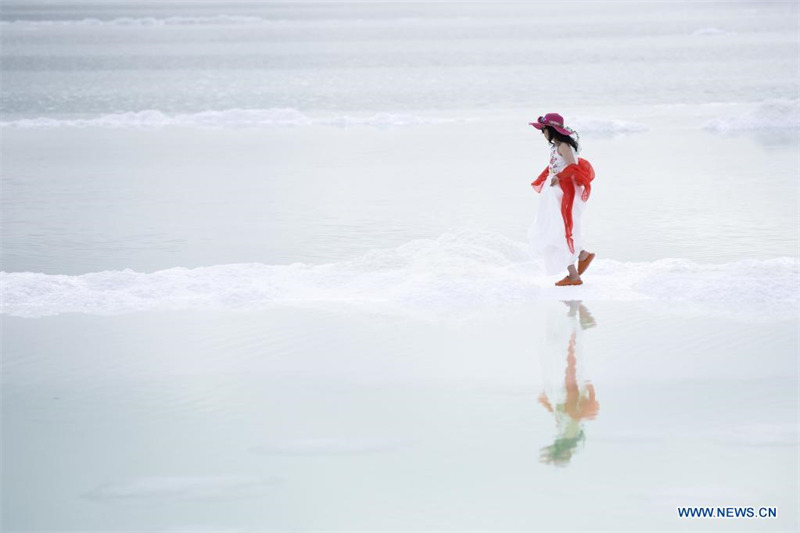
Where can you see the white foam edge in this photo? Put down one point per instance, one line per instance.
(456, 273)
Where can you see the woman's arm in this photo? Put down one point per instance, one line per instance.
(538, 183)
(566, 152)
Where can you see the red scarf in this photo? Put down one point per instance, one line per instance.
(580, 173)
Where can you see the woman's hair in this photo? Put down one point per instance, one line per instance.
(556, 136)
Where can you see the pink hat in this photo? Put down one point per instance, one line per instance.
(552, 119)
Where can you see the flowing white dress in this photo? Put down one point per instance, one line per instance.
(546, 235)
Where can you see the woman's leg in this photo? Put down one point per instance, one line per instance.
(573, 272)
(583, 255)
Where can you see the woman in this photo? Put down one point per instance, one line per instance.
(557, 234)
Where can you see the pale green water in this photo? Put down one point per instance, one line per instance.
(309, 420)
(85, 200)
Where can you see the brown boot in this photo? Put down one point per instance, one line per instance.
(583, 265)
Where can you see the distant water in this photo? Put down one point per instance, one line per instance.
(95, 58)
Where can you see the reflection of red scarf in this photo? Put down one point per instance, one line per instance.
(580, 173)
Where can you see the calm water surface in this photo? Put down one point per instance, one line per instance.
(278, 420)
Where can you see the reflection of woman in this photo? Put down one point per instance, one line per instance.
(557, 234)
(575, 401)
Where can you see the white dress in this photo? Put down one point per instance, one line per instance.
(547, 236)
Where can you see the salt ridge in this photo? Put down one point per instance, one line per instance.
(770, 115)
(215, 20)
(605, 126)
(283, 117)
(457, 271)
(272, 117)
(145, 21)
(709, 31)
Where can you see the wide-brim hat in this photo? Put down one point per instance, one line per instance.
(554, 120)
